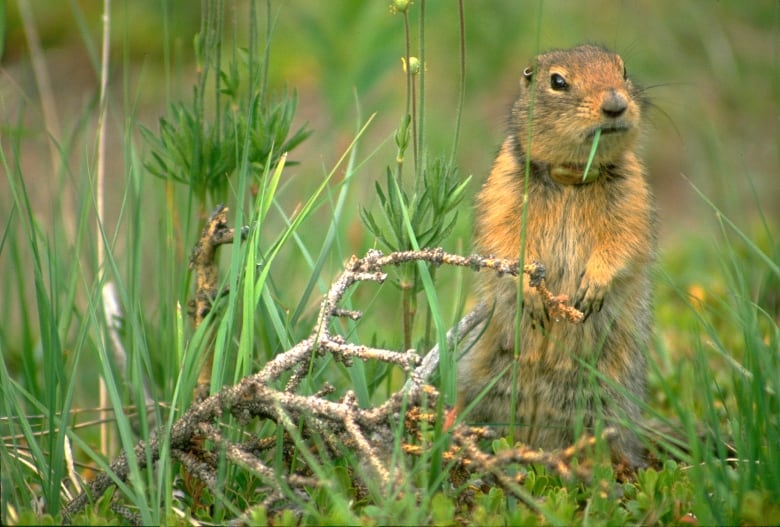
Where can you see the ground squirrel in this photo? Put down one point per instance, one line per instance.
(595, 235)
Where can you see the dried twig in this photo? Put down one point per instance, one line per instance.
(317, 427)
(204, 261)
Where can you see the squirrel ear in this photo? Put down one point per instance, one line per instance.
(528, 73)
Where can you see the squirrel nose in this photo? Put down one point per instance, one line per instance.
(614, 104)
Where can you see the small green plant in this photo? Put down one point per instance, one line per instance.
(247, 126)
(203, 156)
(432, 208)
(421, 213)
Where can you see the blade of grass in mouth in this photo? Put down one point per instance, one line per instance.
(592, 155)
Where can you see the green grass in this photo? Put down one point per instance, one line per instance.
(716, 362)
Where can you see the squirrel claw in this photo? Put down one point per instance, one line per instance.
(590, 297)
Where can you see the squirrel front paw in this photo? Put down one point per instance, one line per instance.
(590, 295)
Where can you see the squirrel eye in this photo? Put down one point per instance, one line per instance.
(557, 82)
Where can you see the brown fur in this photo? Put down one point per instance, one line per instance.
(597, 242)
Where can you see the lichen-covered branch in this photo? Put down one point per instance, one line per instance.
(204, 262)
(317, 427)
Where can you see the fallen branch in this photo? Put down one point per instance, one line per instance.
(316, 427)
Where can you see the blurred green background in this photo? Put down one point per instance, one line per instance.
(712, 68)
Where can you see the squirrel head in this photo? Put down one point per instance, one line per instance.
(566, 96)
